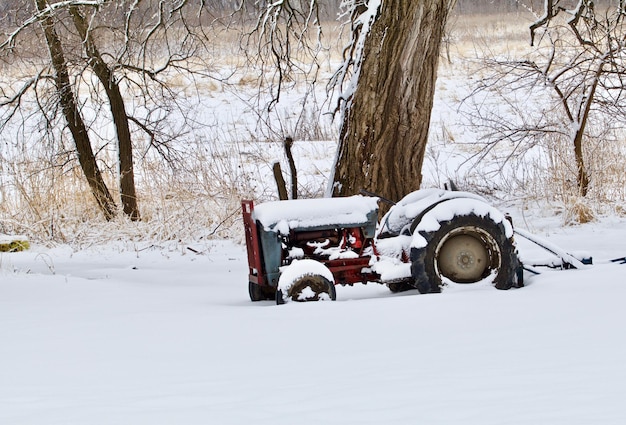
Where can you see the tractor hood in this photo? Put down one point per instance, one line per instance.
(400, 218)
(311, 214)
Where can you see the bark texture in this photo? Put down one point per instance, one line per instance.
(75, 123)
(118, 110)
(385, 125)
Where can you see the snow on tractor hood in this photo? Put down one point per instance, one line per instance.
(282, 216)
(402, 215)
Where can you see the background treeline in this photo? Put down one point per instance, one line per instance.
(14, 11)
(509, 6)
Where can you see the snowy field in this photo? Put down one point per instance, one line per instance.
(150, 331)
(163, 335)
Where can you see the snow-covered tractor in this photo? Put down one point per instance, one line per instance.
(300, 249)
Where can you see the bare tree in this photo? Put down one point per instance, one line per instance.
(579, 63)
(121, 120)
(131, 49)
(71, 111)
(284, 42)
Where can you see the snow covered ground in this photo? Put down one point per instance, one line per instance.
(151, 332)
(163, 335)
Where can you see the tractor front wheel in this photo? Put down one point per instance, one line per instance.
(305, 280)
(308, 288)
(260, 293)
(396, 287)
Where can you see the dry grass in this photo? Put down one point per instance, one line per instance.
(197, 197)
(479, 35)
(194, 204)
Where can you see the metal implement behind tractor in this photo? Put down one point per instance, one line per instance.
(299, 249)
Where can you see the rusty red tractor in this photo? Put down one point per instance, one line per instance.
(298, 250)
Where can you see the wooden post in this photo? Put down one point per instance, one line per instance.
(280, 182)
(292, 168)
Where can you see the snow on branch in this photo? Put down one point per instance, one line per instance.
(50, 9)
(583, 11)
(548, 13)
(363, 14)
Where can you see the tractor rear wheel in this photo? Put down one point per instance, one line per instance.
(465, 249)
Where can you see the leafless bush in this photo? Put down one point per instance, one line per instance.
(511, 143)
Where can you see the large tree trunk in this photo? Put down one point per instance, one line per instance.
(118, 110)
(385, 126)
(75, 122)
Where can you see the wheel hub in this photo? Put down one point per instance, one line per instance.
(463, 258)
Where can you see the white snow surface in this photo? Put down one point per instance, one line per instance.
(280, 216)
(157, 336)
(11, 238)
